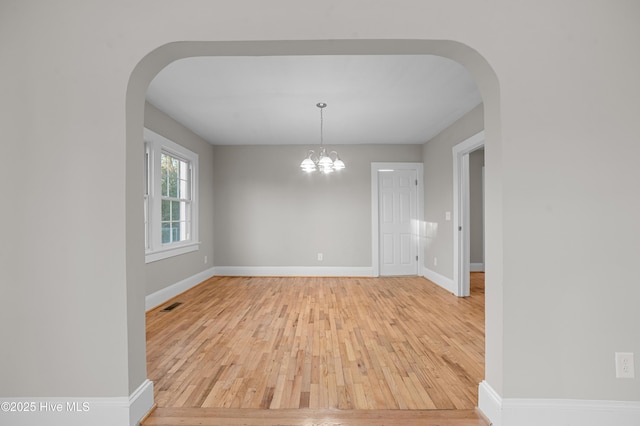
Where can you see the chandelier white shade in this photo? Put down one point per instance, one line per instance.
(322, 161)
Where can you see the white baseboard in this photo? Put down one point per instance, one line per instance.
(294, 271)
(161, 296)
(555, 412)
(476, 267)
(54, 411)
(441, 280)
(140, 402)
(490, 403)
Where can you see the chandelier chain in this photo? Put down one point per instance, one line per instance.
(321, 106)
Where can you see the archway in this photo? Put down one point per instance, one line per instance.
(150, 65)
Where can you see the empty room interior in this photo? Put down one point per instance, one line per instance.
(314, 287)
(344, 212)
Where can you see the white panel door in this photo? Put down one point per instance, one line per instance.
(397, 216)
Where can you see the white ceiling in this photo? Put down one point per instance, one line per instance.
(271, 100)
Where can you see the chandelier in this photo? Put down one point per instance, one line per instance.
(322, 162)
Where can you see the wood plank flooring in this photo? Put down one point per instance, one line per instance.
(307, 417)
(313, 347)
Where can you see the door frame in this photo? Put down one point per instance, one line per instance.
(461, 212)
(375, 224)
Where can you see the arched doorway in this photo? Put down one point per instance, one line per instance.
(149, 66)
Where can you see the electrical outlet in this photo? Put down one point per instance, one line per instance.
(320, 257)
(435, 261)
(206, 259)
(624, 365)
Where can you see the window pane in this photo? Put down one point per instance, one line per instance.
(173, 177)
(173, 184)
(166, 233)
(166, 210)
(164, 161)
(175, 231)
(175, 210)
(170, 169)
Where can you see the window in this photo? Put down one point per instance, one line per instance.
(170, 198)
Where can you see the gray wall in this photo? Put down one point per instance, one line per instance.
(163, 273)
(561, 101)
(476, 213)
(438, 189)
(270, 213)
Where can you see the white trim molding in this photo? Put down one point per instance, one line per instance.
(170, 252)
(161, 296)
(441, 280)
(64, 411)
(140, 402)
(555, 412)
(294, 271)
(461, 236)
(490, 403)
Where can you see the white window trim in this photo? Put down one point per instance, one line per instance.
(154, 249)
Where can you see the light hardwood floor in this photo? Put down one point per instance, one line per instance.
(354, 348)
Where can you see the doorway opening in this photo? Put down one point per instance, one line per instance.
(156, 60)
(462, 212)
